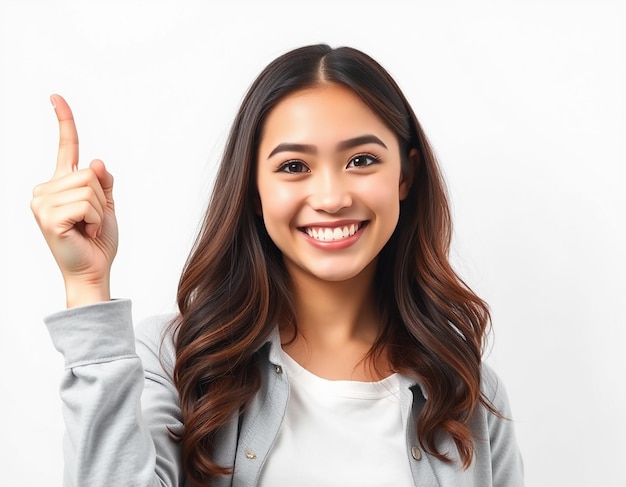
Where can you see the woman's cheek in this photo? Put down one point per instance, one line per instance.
(381, 194)
(279, 204)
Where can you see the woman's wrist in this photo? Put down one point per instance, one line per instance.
(79, 293)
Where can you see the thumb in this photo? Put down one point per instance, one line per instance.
(105, 177)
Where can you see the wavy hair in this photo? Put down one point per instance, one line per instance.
(234, 288)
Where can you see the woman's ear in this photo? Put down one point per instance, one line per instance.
(408, 172)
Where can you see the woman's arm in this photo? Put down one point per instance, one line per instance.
(117, 406)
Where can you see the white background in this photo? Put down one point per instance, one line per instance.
(523, 101)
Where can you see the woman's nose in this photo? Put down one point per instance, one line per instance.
(329, 193)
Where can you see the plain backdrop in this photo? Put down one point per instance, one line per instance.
(523, 101)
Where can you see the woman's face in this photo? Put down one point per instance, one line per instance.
(329, 181)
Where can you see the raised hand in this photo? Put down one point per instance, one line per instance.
(75, 212)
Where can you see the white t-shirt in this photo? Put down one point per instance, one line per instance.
(338, 433)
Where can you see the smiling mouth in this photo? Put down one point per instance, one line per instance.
(333, 234)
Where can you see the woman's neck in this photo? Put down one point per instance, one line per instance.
(337, 325)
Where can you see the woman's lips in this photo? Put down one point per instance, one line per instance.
(332, 233)
(334, 236)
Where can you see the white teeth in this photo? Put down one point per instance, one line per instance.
(326, 234)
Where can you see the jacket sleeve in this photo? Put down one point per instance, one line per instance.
(118, 400)
(506, 461)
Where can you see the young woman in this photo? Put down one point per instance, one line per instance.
(322, 336)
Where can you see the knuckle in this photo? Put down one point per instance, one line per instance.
(90, 176)
(84, 206)
(89, 192)
(34, 204)
(44, 220)
(38, 206)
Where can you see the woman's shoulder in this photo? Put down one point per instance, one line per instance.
(154, 337)
(493, 389)
(156, 327)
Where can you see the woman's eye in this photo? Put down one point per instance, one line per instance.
(363, 160)
(293, 167)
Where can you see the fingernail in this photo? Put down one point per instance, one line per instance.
(53, 102)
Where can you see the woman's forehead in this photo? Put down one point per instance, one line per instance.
(323, 116)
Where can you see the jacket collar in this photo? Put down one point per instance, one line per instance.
(273, 343)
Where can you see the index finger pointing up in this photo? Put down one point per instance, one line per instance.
(67, 158)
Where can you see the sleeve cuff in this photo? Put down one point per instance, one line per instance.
(92, 334)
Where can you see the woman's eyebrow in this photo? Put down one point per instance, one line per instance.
(360, 140)
(293, 147)
(343, 145)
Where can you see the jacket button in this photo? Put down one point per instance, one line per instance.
(416, 453)
(250, 455)
(278, 369)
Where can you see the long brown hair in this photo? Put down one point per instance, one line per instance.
(234, 288)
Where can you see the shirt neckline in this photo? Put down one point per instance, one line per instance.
(353, 389)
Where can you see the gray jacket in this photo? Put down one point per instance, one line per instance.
(119, 401)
